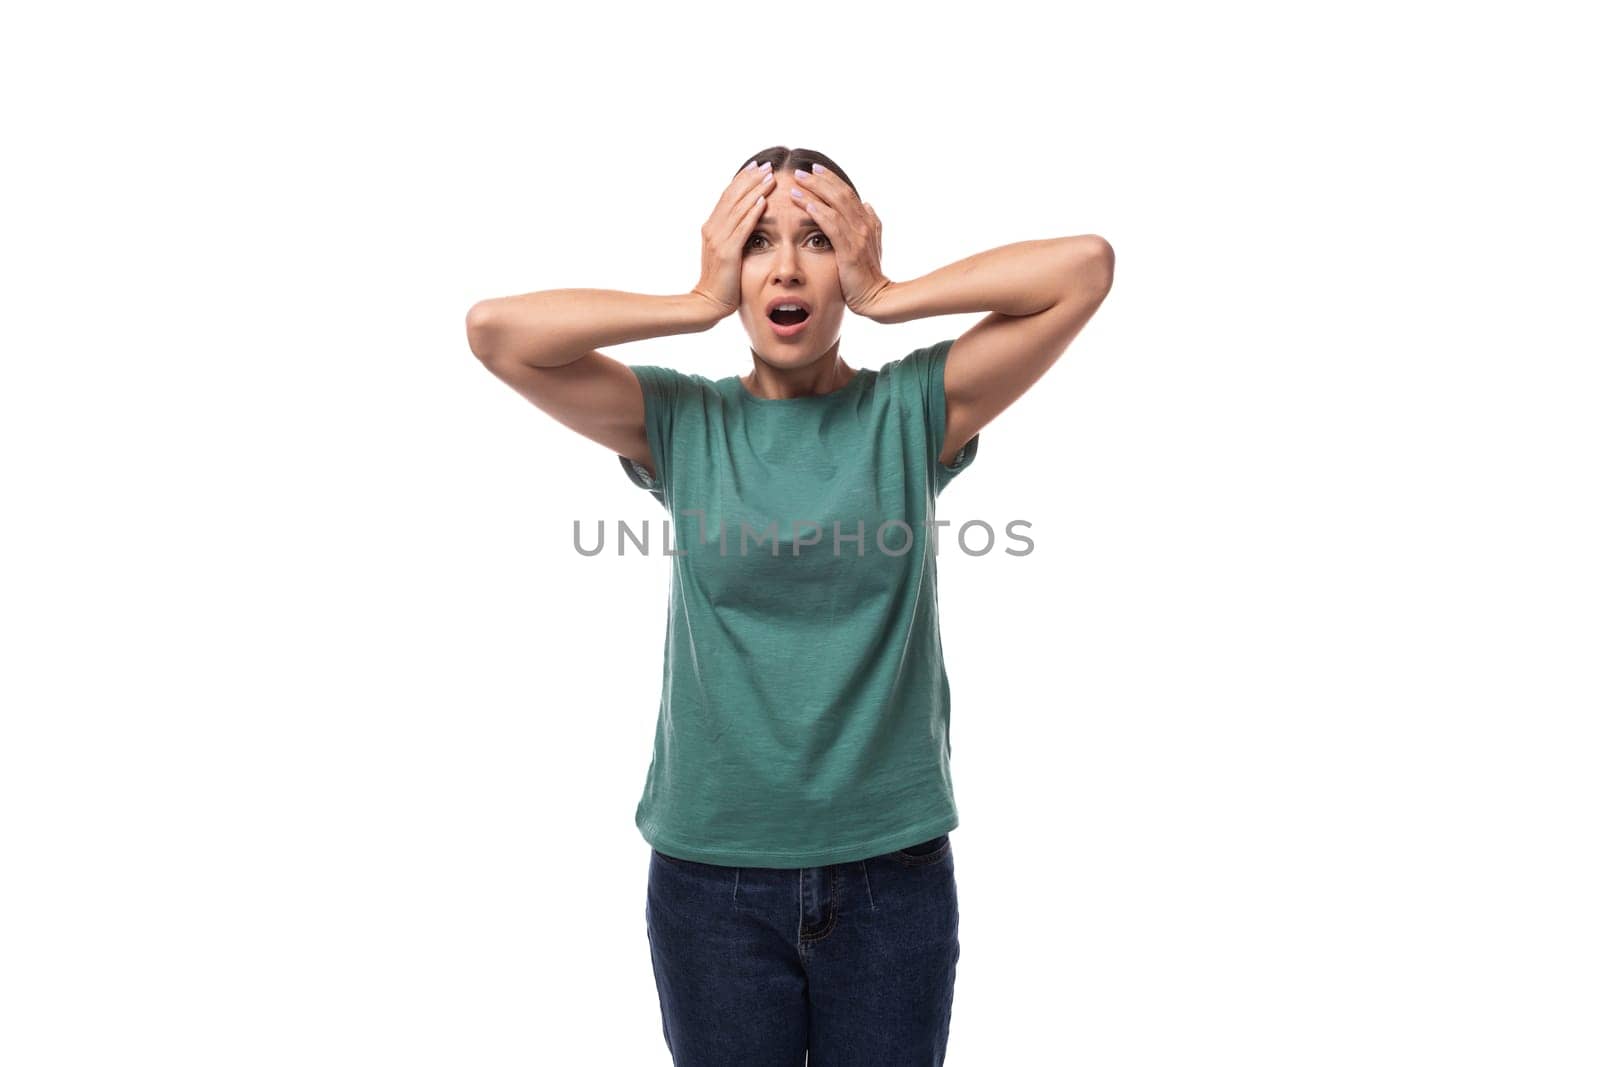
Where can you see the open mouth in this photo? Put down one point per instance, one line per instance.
(788, 318)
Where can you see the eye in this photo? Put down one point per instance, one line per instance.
(814, 233)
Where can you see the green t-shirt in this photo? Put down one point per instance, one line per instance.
(805, 710)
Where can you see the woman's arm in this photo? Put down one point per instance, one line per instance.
(540, 344)
(544, 344)
(1016, 280)
(557, 326)
(1039, 295)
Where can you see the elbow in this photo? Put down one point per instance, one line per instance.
(480, 329)
(1109, 255)
(1102, 260)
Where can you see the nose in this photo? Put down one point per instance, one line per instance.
(786, 261)
(787, 265)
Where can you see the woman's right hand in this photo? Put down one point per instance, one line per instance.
(725, 234)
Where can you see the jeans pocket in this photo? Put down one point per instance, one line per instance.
(931, 851)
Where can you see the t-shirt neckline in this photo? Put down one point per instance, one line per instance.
(791, 401)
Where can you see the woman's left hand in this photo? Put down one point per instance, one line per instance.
(853, 229)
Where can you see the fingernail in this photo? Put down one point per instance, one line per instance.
(819, 166)
(801, 174)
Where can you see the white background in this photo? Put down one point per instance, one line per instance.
(321, 744)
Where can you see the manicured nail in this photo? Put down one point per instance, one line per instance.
(801, 174)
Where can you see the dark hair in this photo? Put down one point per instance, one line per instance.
(782, 157)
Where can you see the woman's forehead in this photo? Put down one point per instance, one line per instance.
(787, 220)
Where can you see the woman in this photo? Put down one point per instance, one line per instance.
(801, 891)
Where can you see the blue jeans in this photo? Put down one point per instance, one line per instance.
(854, 961)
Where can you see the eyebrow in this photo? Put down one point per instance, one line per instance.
(805, 224)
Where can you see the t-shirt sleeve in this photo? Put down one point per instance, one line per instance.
(926, 367)
(662, 387)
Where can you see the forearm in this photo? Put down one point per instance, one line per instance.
(556, 326)
(1015, 279)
